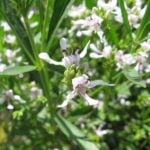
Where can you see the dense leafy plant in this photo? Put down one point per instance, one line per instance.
(55, 105)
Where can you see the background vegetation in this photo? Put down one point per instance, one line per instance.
(30, 89)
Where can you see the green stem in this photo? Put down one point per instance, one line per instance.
(45, 25)
(46, 87)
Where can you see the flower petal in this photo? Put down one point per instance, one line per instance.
(70, 96)
(18, 98)
(94, 48)
(90, 100)
(98, 82)
(45, 57)
(84, 51)
(10, 106)
(95, 55)
(64, 104)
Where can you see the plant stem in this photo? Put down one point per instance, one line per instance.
(42, 71)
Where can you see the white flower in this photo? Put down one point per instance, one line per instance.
(77, 11)
(123, 99)
(2, 67)
(95, 22)
(8, 96)
(5, 26)
(133, 20)
(10, 38)
(147, 68)
(146, 45)
(124, 59)
(87, 25)
(71, 59)
(141, 61)
(106, 52)
(10, 107)
(148, 81)
(101, 132)
(108, 6)
(68, 60)
(35, 92)
(84, 32)
(80, 86)
(11, 55)
(118, 14)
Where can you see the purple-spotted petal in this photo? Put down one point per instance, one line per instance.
(90, 100)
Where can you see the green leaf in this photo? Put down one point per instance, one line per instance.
(125, 17)
(40, 5)
(134, 76)
(123, 89)
(145, 24)
(59, 10)
(112, 32)
(72, 132)
(17, 70)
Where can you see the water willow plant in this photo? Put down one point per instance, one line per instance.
(37, 40)
(16, 14)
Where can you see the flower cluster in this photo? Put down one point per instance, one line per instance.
(80, 82)
(89, 22)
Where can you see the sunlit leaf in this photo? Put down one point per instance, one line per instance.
(134, 76)
(17, 70)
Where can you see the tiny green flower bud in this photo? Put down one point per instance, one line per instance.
(73, 67)
(72, 73)
(66, 73)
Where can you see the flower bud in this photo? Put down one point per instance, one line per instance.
(63, 43)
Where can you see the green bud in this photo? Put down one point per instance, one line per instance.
(72, 73)
(73, 67)
(66, 73)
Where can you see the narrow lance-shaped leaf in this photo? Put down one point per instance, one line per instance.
(113, 32)
(125, 17)
(72, 132)
(145, 24)
(17, 70)
(59, 10)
